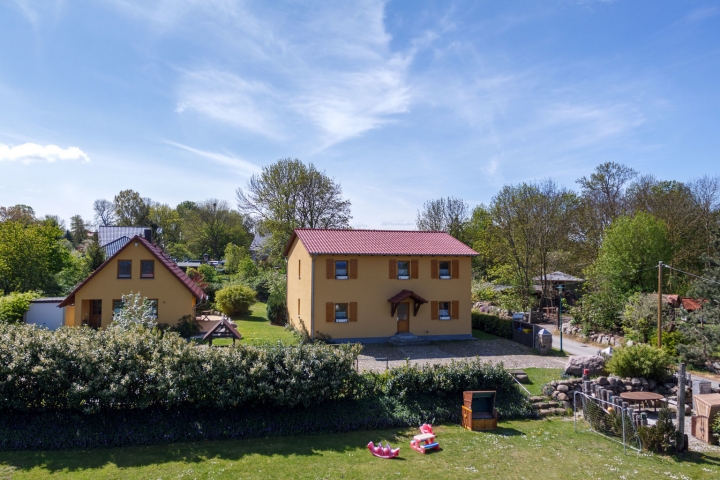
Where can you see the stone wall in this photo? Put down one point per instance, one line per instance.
(599, 338)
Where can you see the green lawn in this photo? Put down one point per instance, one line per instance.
(539, 377)
(533, 449)
(480, 335)
(256, 329)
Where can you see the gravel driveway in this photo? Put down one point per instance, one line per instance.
(511, 354)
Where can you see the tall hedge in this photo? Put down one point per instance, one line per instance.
(492, 324)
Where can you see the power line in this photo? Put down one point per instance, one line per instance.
(691, 274)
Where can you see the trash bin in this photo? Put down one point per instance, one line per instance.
(543, 342)
(701, 387)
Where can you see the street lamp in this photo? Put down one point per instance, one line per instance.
(560, 290)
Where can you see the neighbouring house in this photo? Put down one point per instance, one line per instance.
(112, 239)
(137, 267)
(370, 285)
(43, 312)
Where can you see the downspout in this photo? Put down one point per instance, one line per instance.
(287, 294)
(312, 299)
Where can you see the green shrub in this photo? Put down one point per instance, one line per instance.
(640, 361)
(276, 309)
(14, 306)
(186, 327)
(235, 300)
(492, 324)
(662, 437)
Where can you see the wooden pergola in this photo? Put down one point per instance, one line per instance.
(404, 295)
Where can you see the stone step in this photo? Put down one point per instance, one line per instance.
(538, 398)
(546, 405)
(552, 411)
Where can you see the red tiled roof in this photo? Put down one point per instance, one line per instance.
(691, 304)
(378, 242)
(159, 255)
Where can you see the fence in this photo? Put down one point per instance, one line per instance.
(608, 418)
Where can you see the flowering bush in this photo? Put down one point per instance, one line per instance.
(136, 310)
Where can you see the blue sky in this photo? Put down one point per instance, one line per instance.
(400, 102)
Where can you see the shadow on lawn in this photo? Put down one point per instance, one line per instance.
(197, 452)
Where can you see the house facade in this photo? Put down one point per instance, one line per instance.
(137, 267)
(370, 285)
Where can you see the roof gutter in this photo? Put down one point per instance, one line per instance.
(312, 299)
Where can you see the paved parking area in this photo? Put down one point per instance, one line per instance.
(507, 352)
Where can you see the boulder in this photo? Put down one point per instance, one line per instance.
(563, 388)
(636, 382)
(652, 383)
(522, 378)
(576, 364)
(602, 381)
(563, 397)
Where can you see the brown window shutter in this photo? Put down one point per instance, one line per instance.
(434, 311)
(434, 269)
(353, 269)
(352, 315)
(329, 268)
(455, 310)
(329, 312)
(455, 269)
(413, 269)
(393, 268)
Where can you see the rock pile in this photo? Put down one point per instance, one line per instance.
(600, 338)
(563, 390)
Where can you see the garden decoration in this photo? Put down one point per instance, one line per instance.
(478, 410)
(425, 441)
(383, 452)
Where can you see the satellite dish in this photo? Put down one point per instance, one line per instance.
(159, 230)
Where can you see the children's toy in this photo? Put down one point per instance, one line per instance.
(383, 452)
(425, 441)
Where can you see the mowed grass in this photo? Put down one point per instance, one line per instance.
(533, 449)
(480, 335)
(539, 377)
(256, 329)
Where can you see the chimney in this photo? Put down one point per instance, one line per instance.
(148, 234)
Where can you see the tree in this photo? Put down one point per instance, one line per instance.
(131, 209)
(450, 215)
(94, 255)
(706, 191)
(605, 191)
(166, 223)
(529, 221)
(234, 255)
(212, 225)
(701, 330)
(104, 212)
(17, 213)
(289, 194)
(30, 256)
(78, 230)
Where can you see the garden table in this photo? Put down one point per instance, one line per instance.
(641, 397)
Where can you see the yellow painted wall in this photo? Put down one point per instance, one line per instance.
(69, 313)
(299, 284)
(174, 299)
(372, 289)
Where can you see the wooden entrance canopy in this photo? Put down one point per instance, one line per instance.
(223, 329)
(404, 295)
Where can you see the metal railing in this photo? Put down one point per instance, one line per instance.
(610, 419)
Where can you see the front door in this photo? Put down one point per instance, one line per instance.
(95, 313)
(403, 318)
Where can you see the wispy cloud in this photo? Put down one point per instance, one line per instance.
(243, 166)
(700, 14)
(32, 152)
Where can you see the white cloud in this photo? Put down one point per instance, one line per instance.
(32, 152)
(246, 168)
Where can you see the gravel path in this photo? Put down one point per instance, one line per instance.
(511, 354)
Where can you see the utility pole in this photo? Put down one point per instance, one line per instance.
(659, 318)
(560, 289)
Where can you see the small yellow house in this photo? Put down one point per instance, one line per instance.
(138, 267)
(375, 285)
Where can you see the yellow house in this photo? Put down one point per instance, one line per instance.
(138, 267)
(377, 286)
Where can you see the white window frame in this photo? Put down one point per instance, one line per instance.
(347, 313)
(347, 266)
(448, 316)
(449, 269)
(403, 277)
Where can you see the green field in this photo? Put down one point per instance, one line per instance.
(533, 449)
(256, 329)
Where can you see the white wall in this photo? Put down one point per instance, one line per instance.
(45, 314)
